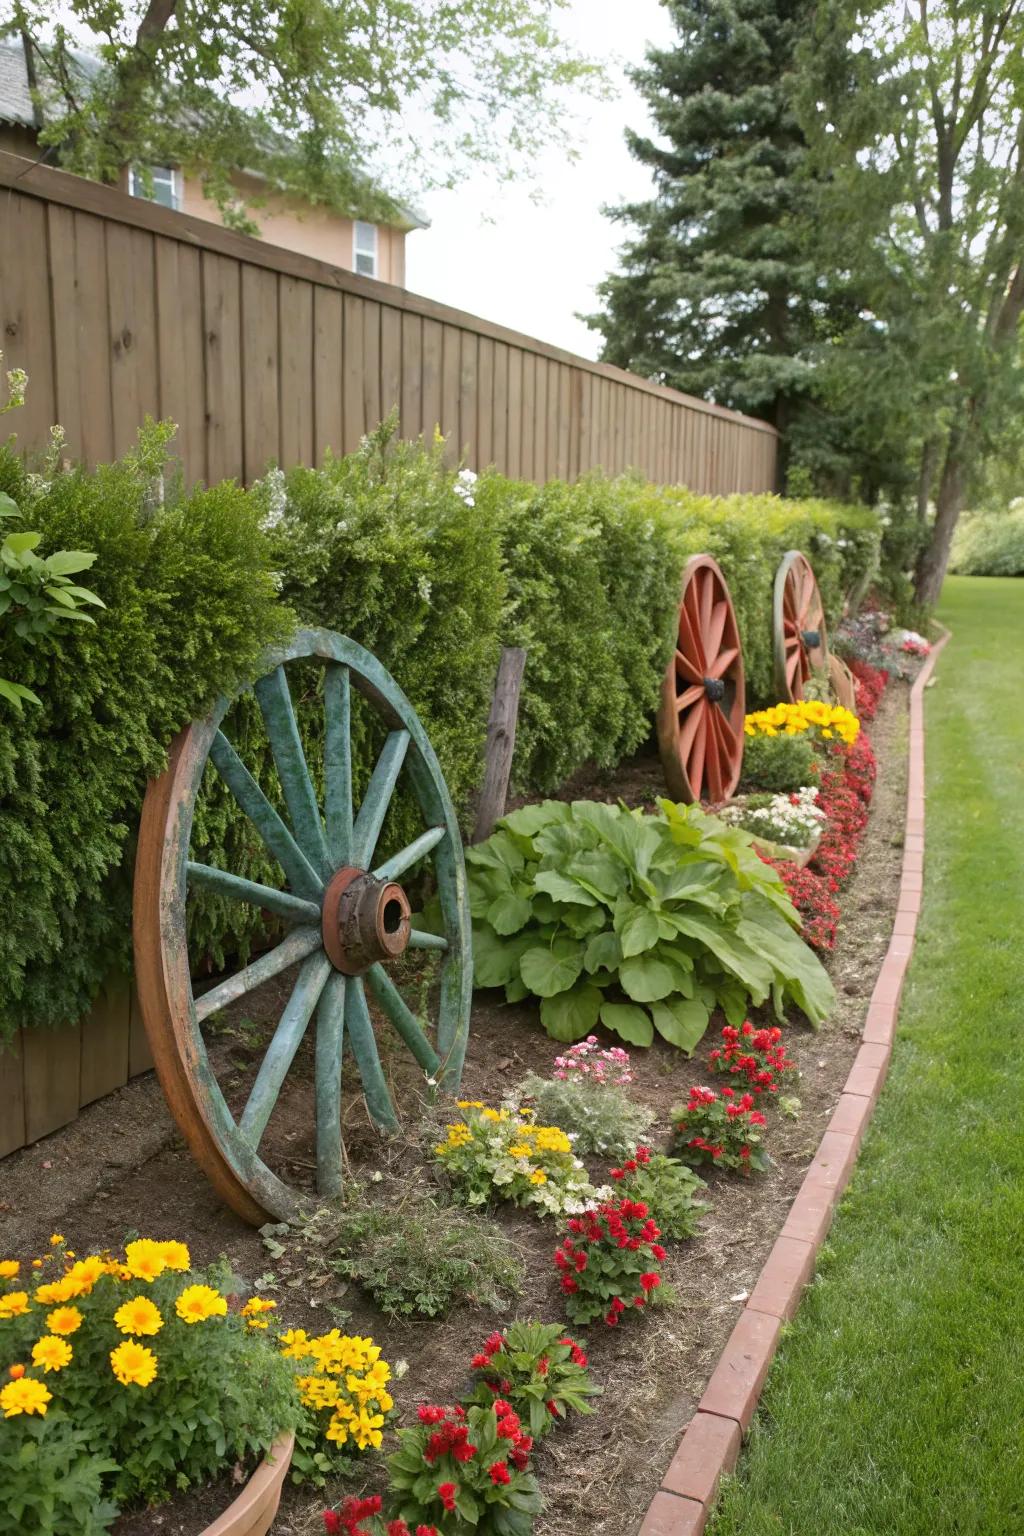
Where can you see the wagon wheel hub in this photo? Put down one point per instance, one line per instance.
(365, 920)
(714, 688)
(811, 638)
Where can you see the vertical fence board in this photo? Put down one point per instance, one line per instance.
(499, 418)
(515, 412)
(433, 362)
(563, 409)
(412, 376)
(485, 403)
(12, 1095)
(260, 370)
(352, 375)
(223, 356)
(390, 364)
(131, 298)
(327, 372)
(25, 320)
(295, 308)
(526, 443)
(179, 320)
(105, 1043)
(468, 398)
(51, 1060)
(373, 411)
(451, 373)
(140, 1057)
(541, 452)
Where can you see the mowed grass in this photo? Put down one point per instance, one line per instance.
(896, 1404)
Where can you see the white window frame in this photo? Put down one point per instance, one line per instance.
(137, 188)
(366, 244)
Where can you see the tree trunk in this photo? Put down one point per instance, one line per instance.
(926, 479)
(949, 503)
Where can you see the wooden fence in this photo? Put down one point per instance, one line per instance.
(117, 308)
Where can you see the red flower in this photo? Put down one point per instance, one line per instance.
(658, 1251)
(332, 1522)
(650, 1281)
(498, 1473)
(480, 1362)
(551, 1406)
(446, 1493)
(397, 1528)
(429, 1413)
(569, 1285)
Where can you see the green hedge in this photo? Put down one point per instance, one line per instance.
(430, 570)
(989, 544)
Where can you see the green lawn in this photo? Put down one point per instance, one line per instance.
(896, 1405)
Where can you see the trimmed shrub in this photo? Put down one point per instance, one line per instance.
(989, 544)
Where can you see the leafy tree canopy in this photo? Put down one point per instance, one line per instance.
(316, 97)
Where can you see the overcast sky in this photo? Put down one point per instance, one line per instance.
(494, 252)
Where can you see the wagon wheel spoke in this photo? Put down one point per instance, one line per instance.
(338, 763)
(399, 862)
(716, 747)
(359, 1027)
(690, 696)
(686, 668)
(275, 835)
(392, 1003)
(293, 908)
(794, 664)
(688, 729)
(715, 630)
(724, 661)
(706, 587)
(275, 701)
(379, 791)
(689, 635)
(420, 940)
(698, 752)
(330, 1035)
(299, 943)
(280, 1053)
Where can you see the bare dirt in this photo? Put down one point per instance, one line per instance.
(121, 1169)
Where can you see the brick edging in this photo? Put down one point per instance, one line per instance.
(710, 1444)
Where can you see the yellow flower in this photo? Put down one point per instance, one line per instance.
(551, 1139)
(538, 1176)
(37, 1263)
(144, 1259)
(81, 1277)
(469, 1103)
(139, 1315)
(337, 1429)
(257, 1304)
(52, 1354)
(318, 1391)
(175, 1256)
(24, 1396)
(8, 1268)
(14, 1304)
(366, 1429)
(459, 1135)
(54, 1291)
(64, 1320)
(294, 1344)
(492, 1114)
(57, 1240)
(198, 1302)
(133, 1364)
(519, 1151)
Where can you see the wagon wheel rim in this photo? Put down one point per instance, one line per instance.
(703, 695)
(347, 914)
(841, 679)
(800, 639)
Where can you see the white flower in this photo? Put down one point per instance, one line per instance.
(465, 480)
(424, 587)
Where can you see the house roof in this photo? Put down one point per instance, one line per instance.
(16, 107)
(15, 96)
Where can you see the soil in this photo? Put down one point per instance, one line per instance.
(122, 1169)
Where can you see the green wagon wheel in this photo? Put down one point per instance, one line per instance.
(799, 639)
(347, 919)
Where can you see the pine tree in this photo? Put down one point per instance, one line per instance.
(718, 294)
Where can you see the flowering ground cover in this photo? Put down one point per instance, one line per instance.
(110, 1174)
(896, 1401)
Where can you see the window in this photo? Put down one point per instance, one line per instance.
(166, 186)
(364, 244)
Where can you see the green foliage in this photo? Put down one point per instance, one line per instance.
(423, 1258)
(601, 1117)
(476, 1501)
(990, 544)
(779, 764)
(669, 1189)
(430, 89)
(536, 1369)
(52, 1481)
(644, 922)
(190, 605)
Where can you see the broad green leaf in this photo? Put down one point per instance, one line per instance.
(84, 595)
(604, 952)
(72, 613)
(646, 979)
(529, 820)
(14, 693)
(638, 930)
(571, 1015)
(60, 595)
(508, 913)
(20, 543)
(516, 990)
(560, 888)
(550, 969)
(806, 979)
(728, 946)
(682, 1022)
(583, 921)
(600, 872)
(496, 960)
(67, 561)
(562, 841)
(629, 1022)
(8, 507)
(497, 852)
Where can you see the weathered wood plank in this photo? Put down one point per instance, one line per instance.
(105, 1035)
(390, 365)
(412, 376)
(485, 403)
(131, 299)
(353, 376)
(327, 372)
(179, 319)
(499, 414)
(260, 370)
(52, 1064)
(433, 361)
(140, 1057)
(12, 1095)
(515, 412)
(25, 320)
(468, 398)
(223, 362)
(296, 392)
(451, 373)
(501, 741)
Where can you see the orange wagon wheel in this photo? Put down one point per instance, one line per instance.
(703, 697)
(800, 643)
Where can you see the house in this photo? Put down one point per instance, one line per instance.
(374, 250)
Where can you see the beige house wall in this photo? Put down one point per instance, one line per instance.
(19, 141)
(296, 226)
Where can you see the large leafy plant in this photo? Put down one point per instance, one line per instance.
(644, 922)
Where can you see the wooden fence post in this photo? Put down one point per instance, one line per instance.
(501, 741)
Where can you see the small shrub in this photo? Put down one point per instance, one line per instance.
(502, 1154)
(813, 718)
(667, 1187)
(811, 895)
(791, 820)
(869, 684)
(423, 1258)
(758, 1056)
(342, 1384)
(779, 764)
(601, 1117)
(611, 1260)
(460, 1469)
(539, 1371)
(989, 544)
(721, 1129)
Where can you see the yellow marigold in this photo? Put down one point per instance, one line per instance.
(144, 1259)
(470, 1103)
(257, 1304)
(494, 1114)
(198, 1302)
(14, 1304)
(51, 1353)
(538, 1176)
(24, 1396)
(459, 1135)
(318, 1391)
(294, 1344)
(64, 1320)
(551, 1139)
(519, 1151)
(55, 1291)
(8, 1268)
(133, 1364)
(139, 1315)
(81, 1277)
(57, 1239)
(175, 1256)
(37, 1263)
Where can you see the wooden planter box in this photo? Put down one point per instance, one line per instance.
(48, 1075)
(252, 1512)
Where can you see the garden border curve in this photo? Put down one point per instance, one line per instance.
(710, 1444)
(252, 1512)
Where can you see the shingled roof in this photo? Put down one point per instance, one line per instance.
(15, 98)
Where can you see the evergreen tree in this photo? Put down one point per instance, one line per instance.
(719, 295)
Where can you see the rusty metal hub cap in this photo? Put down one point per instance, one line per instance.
(364, 920)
